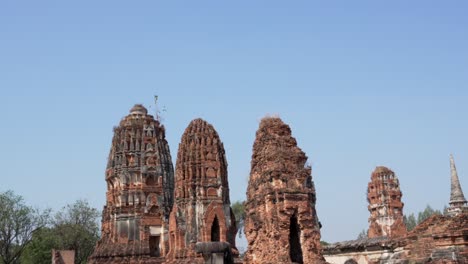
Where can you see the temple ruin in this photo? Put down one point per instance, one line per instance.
(201, 219)
(440, 239)
(140, 187)
(150, 217)
(281, 224)
(385, 206)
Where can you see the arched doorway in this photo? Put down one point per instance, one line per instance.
(215, 230)
(295, 251)
(350, 261)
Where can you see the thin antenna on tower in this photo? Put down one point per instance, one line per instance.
(158, 111)
(156, 107)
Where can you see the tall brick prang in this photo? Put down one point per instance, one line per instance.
(140, 185)
(385, 206)
(201, 211)
(281, 224)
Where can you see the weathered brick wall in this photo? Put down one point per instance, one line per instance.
(385, 206)
(281, 223)
(201, 212)
(439, 239)
(140, 181)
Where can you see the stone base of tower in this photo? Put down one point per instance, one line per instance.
(275, 248)
(129, 260)
(456, 209)
(285, 232)
(135, 252)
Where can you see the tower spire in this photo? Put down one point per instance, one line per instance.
(457, 199)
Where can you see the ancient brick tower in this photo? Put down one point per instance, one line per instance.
(140, 185)
(281, 224)
(457, 199)
(201, 211)
(385, 206)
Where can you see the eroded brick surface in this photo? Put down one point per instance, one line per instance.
(281, 223)
(143, 222)
(385, 206)
(140, 184)
(439, 238)
(202, 211)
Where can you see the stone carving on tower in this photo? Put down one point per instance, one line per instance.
(385, 206)
(457, 202)
(140, 185)
(281, 224)
(201, 211)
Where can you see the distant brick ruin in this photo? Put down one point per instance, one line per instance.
(281, 224)
(440, 239)
(202, 212)
(140, 187)
(385, 206)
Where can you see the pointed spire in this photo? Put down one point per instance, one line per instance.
(457, 199)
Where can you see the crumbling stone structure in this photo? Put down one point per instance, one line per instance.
(440, 239)
(140, 185)
(143, 223)
(385, 206)
(201, 211)
(281, 224)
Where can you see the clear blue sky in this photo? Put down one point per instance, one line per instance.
(361, 83)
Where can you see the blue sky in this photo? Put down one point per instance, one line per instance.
(361, 83)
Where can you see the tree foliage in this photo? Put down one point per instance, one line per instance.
(18, 222)
(239, 212)
(362, 235)
(411, 221)
(39, 251)
(75, 227)
(78, 229)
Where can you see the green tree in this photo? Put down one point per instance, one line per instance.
(18, 223)
(411, 222)
(39, 251)
(362, 235)
(78, 229)
(428, 212)
(239, 212)
(75, 227)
